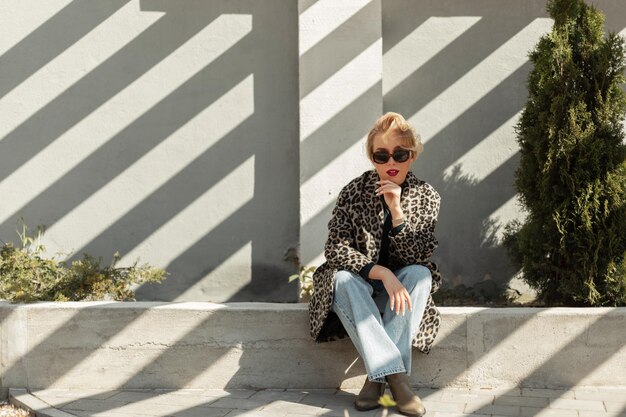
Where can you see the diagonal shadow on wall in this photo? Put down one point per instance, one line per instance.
(323, 145)
(337, 49)
(451, 63)
(270, 219)
(468, 249)
(94, 89)
(475, 232)
(471, 127)
(274, 202)
(130, 144)
(401, 17)
(53, 37)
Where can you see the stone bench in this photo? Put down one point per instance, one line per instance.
(113, 345)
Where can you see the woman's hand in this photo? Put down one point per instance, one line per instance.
(399, 298)
(392, 192)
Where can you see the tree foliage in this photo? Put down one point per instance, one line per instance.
(572, 174)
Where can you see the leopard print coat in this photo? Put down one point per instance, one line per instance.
(354, 236)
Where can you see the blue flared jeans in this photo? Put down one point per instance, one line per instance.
(382, 337)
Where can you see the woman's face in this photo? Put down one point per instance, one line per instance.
(392, 170)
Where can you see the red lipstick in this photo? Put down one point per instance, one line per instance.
(392, 172)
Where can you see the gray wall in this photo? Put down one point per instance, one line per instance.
(341, 69)
(212, 137)
(164, 130)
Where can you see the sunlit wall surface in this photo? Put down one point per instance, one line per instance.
(166, 131)
(340, 96)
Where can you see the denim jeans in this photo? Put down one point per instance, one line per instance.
(382, 337)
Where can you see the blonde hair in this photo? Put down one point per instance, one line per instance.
(395, 122)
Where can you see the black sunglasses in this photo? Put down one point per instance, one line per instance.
(381, 157)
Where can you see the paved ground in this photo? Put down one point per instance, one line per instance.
(605, 402)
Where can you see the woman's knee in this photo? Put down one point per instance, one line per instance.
(342, 280)
(346, 279)
(417, 276)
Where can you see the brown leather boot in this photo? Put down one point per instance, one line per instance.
(369, 395)
(407, 402)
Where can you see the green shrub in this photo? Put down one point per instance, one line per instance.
(572, 173)
(26, 275)
(305, 278)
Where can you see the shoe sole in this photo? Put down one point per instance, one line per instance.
(359, 408)
(374, 407)
(410, 414)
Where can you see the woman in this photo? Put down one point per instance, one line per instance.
(377, 279)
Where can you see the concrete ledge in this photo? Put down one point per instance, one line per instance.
(112, 345)
(20, 397)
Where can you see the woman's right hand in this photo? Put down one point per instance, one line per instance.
(399, 298)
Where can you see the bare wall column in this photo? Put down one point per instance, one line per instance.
(340, 98)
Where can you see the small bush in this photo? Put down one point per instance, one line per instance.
(305, 277)
(27, 276)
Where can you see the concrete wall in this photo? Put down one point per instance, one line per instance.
(341, 69)
(241, 345)
(167, 131)
(212, 137)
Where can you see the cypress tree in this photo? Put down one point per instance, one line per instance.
(572, 174)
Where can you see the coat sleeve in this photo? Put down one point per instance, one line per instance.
(341, 250)
(416, 242)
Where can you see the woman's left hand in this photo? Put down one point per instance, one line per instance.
(392, 193)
